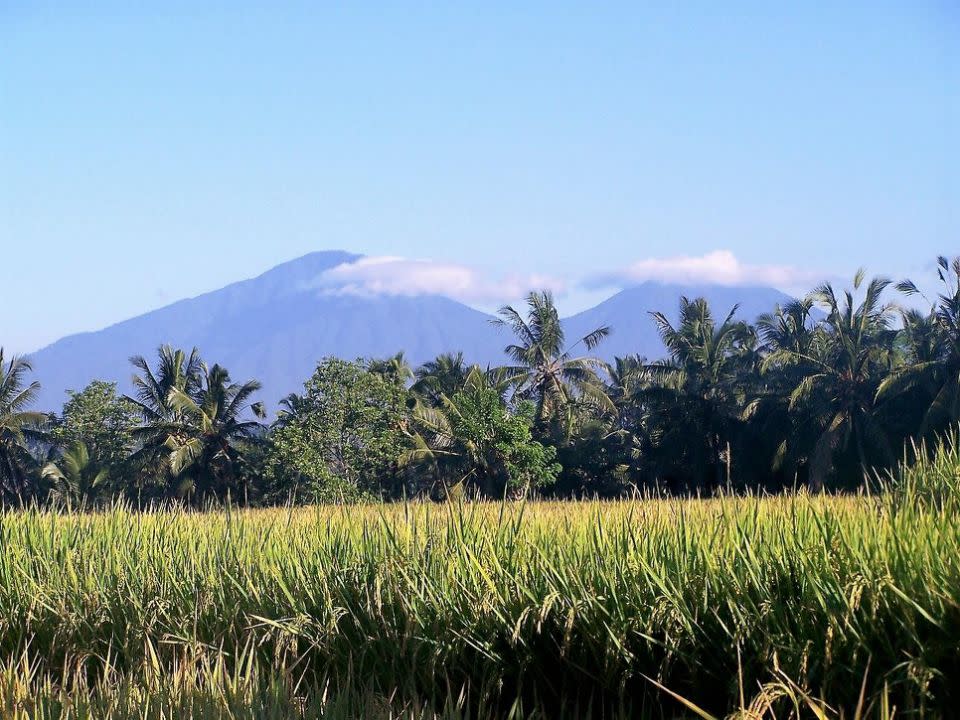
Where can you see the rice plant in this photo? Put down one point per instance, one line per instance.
(779, 606)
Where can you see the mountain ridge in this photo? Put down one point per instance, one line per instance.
(276, 325)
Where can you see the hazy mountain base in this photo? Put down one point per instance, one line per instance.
(275, 328)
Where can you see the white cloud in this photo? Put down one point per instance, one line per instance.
(387, 275)
(720, 267)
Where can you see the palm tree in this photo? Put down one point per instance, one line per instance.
(394, 369)
(788, 334)
(932, 342)
(194, 420)
(75, 477)
(628, 378)
(17, 426)
(544, 369)
(292, 407)
(176, 370)
(699, 389)
(205, 445)
(442, 376)
(788, 329)
(625, 376)
(842, 377)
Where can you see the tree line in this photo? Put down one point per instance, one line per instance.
(815, 393)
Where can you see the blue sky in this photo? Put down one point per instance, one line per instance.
(149, 155)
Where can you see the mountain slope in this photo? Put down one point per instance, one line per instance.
(273, 328)
(276, 327)
(633, 330)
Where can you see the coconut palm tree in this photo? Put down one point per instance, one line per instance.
(840, 383)
(442, 376)
(292, 407)
(698, 393)
(205, 445)
(75, 477)
(788, 329)
(17, 425)
(788, 334)
(545, 369)
(932, 342)
(394, 369)
(625, 376)
(176, 370)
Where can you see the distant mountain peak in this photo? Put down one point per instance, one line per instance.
(275, 327)
(628, 313)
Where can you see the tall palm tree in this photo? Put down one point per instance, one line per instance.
(699, 388)
(545, 369)
(176, 370)
(394, 369)
(933, 349)
(194, 419)
(789, 328)
(17, 426)
(788, 334)
(625, 376)
(292, 406)
(442, 376)
(205, 445)
(628, 378)
(838, 390)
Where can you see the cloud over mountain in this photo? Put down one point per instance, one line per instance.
(719, 267)
(398, 276)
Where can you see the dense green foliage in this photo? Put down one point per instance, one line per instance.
(17, 423)
(791, 606)
(816, 393)
(341, 439)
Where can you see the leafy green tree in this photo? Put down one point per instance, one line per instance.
(99, 420)
(18, 425)
(472, 439)
(545, 369)
(344, 441)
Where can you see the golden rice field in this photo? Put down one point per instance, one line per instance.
(792, 606)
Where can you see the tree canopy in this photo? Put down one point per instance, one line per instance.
(821, 392)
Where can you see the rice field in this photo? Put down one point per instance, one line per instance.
(793, 606)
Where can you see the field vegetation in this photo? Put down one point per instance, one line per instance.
(765, 525)
(778, 606)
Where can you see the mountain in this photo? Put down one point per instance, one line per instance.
(274, 328)
(633, 330)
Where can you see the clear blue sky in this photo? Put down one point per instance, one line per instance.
(151, 155)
